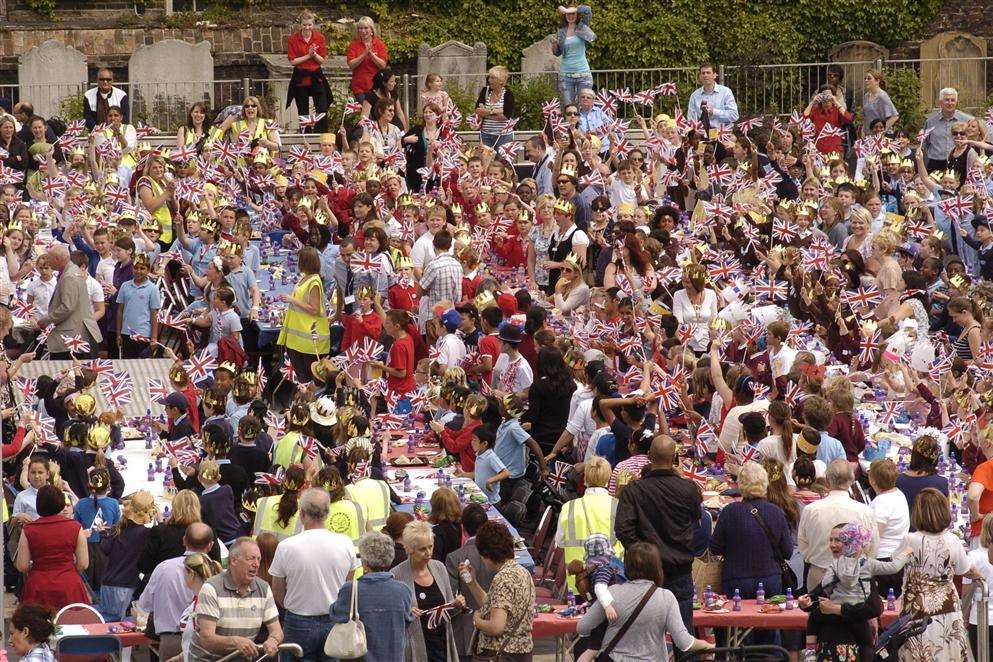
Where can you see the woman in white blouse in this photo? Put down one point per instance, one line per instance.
(695, 305)
(570, 290)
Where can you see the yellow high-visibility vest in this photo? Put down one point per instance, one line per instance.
(298, 331)
(266, 514)
(163, 215)
(581, 518)
(373, 496)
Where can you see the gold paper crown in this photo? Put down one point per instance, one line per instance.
(365, 291)
(321, 218)
(140, 260)
(388, 173)
(938, 175)
(568, 170)
(249, 498)
(564, 206)
(178, 376)
(482, 208)
(525, 215)
(512, 403)
(484, 300)
(211, 400)
(15, 225)
(229, 366)
(144, 146)
(573, 259)
(291, 484)
(907, 163)
(299, 414)
(77, 151)
(209, 473)
(215, 444)
(406, 200)
(429, 203)
(223, 203)
(225, 247)
(456, 208)
(404, 262)
(149, 223)
(208, 224)
(98, 437)
(99, 480)
(85, 404)
(574, 359)
(462, 232)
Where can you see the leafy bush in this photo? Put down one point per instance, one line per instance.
(904, 88)
(529, 95)
(71, 107)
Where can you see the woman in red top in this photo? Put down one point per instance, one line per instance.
(367, 54)
(52, 552)
(306, 51)
(364, 323)
(400, 368)
(825, 108)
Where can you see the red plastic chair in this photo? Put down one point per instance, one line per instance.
(78, 614)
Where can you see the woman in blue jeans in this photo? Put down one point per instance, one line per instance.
(574, 35)
(384, 604)
(750, 554)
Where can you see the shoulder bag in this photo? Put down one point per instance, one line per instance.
(789, 577)
(346, 641)
(604, 654)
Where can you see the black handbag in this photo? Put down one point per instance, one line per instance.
(789, 577)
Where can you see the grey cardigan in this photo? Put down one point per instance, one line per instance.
(415, 650)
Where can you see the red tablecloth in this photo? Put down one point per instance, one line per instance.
(552, 625)
(127, 638)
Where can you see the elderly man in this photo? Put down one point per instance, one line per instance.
(818, 518)
(661, 508)
(100, 99)
(233, 606)
(69, 311)
(23, 112)
(938, 143)
(167, 595)
(712, 104)
(307, 573)
(592, 117)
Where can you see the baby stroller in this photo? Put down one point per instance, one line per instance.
(896, 635)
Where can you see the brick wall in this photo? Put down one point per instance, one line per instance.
(962, 15)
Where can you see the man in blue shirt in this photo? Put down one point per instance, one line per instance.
(717, 100)
(138, 304)
(591, 117)
(817, 413)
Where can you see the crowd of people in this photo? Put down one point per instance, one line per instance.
(753, 350)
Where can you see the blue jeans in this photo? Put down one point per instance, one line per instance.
(493, 140)
(681, 587)
(114, 602)
(570, 87)
(308, 631)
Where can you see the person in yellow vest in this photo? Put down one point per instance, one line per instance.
(287, 451)
(278, 514)
(251, 123)
(156, 194)
(346, 516)
(306, 331)
(594, 512)
(371, 494)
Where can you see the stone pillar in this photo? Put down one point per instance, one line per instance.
(942, 65)
(856, 58)
(537, 58)
(461, 66)
(49, 73)
(166, 78)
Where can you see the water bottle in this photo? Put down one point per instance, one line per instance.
(708, 596)
(151, 472)
(890, 600)
(736, 601)
(406, 483)
(166, 514)
(464, 572)
(158, 464)
(411, 446)
(759, 595)
(570, 598)
(789, 599)
(419, 500)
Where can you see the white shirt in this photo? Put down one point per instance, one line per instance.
(451, 348)
(93, 290)
(620, 193)
(819, 517)
(315, 564)
(521, 380)
(772, 447)
(422, 251)
(105, 270)
(581, 425)
(41, 292)
(980, 560)
(730, 439)
(781, 363)
(578, 237)
(892, 512)
(698, 318)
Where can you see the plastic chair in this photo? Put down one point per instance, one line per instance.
(78, 614)
(88, 648)
(541, 533)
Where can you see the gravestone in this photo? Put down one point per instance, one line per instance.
(856, 58)
(942, 66)
(538, 59)
(167, 77)
(460, 65)
(279, 70)
(49, 73)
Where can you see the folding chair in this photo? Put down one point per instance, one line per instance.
(541, 533)
(88, 648)
(78, 614)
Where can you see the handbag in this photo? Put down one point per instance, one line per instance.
(604, 654)
(498, 656)
(346, 641)
(707, 571)
(789, 577)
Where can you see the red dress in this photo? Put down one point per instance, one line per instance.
(53, 580)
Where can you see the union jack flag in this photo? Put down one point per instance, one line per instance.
(684, 332)
(183, 154)
(271, 480)
(22, 309)
(550, 107)
(276, 423)
(695, 473)
(705, 438)
(592, 178)
(26, 386)
(761, 391)
(440, 614)
(870, 343)
(720, 173)
(307, 121)
(829, 131)
(623, 95)
(955, 430)
(794, 394)
(725, 269)
(198, 365)
(862, 297)
(75, 344)
(891, 410)
(956, 207)
(509, 150)
(309, 446)
(365, 262)
(75, 128)
(784, 230)
(559, 475)
(157, 391)
(771, 289)
(666, 89)
(606, 103)
(924, 133)
(939, 366)
(260, 376)
(44, 428)
(47, 331)
(288, 371)
(750, 453)
(645, 97)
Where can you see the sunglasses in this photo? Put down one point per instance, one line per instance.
(572, 113)
(958, 133)
(563, 181)
(250, 105)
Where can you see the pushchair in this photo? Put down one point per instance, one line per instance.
(896, 635)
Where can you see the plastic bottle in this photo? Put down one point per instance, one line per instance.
(760, 595)
(708, 596)
(890, 600)
(570, 598)
(789, 599)
(151, 472)
(411, 446)
(406, 483)
(736, 601)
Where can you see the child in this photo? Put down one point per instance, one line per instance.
(246, 454)
(512, 373)
(434, 92)
(402, 294)
(488, 470)
(599, 569)
(138, 304)
(490, 319)
(400, 368)
(39, 291)
(225, 327)
(97, 514)
(451, 349)
(364, 323)
(848, 582)
(511, 442)
(217, 503)
(214, 403)
(177, 424)
(120, 577)
(458, 439)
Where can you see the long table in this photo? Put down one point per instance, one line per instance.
(94, 629)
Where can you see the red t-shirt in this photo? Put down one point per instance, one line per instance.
(362, 74)
(358, 326)
(983, 475)
(489, 346)
(296, 47)
(402, 358)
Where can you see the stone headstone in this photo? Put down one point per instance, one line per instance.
(167, 77)
(279, 69)
(460, 65)
(50, 73)
(942, 66)
(538, 59)
(856, 58)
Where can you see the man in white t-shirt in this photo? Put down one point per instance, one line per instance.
(307, 571)
(511, 373)
(422, 251)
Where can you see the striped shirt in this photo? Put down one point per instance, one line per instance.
(236, 615)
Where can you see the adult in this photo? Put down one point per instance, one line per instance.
(69, 309)
(31, 628)
(892, 517)
(980, 494)
(197, 569)
(594, 512)
(571, 291)
(306, 332)
(427, 580)
(441, 280)
(166, 539)
(818, 518)
(383, 603)
(306, 50)
(651, 610)
(923, 470)
(695, 305)
(568, 240)
(308, 571)
(938, 143)
(591, 117)
(367, 54)
(52, 551)
(167, 594)
(825, 108)
(473, 517)
(196, 129)
(936, 557)
(876, 102)
(420, 144)
(662, 507)
(753, 536)
(548, 398)
(98, 100)
(251, 121)
(712, 104)
(572, 38)
(16, 150)
(233, 606)
(156, 194)
(383, 96)
(495, 109)
(504, 620)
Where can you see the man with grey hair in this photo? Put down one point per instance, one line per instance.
(818, 518)
(307, 572)
(231, 608)
(938, 144)
(591, 116)
(69, 310)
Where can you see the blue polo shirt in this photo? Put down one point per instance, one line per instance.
(137, 303)
(487, 466)
(829, 449)
(509, 447)
(241, 283)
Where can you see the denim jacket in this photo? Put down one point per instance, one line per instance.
(385, 611)
(583, 31)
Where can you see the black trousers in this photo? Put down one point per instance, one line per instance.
(936, 164)
(134, 349)
(302, 96)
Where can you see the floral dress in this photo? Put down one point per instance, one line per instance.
(928, 590)
(541, 242)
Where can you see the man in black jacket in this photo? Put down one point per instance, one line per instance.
(661, 508)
